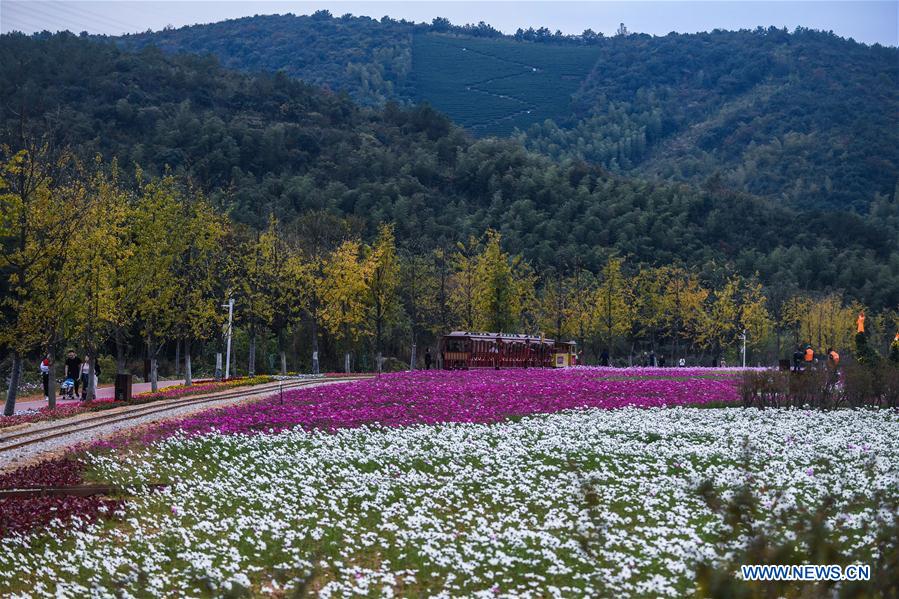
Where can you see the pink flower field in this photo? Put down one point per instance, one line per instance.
(431, 397)
(399, 399)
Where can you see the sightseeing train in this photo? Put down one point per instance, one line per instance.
(461, 350)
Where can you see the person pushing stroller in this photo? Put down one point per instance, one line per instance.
(73, 374)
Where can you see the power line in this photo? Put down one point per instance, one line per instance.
(23, 23)
(69, 17)
(47, 21)
(77, 8)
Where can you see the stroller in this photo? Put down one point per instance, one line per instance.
(67, 389)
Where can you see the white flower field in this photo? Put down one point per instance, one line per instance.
(578, 503)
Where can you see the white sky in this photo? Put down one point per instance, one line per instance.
(864, 20)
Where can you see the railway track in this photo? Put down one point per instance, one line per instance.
(24, 438)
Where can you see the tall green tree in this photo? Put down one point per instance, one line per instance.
(382, 298)
(613, 314)
(100, 249)
(464, 283)
(38, 216)
(498, 296)
(197, 267)
(316, 235)
(158, 243)
(419, 293)
(342, 296)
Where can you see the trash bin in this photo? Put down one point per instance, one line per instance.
(123, 387)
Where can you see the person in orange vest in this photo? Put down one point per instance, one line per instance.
(833, 358)
(861, 322)
(809, 355)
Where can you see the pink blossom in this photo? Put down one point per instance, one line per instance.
(432, 397)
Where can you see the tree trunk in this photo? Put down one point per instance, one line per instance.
(412, 361)
(283, 362)
(378, 325)
(188, 369)
(177, 357)
(314, 344)
(346, 362)
(10, 408)
(119, 352)
(251, 366)
(154, 374)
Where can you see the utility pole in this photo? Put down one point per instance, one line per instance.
(230, 306)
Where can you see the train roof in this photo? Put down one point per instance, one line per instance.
(504, 336)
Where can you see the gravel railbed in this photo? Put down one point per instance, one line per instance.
(22, 456)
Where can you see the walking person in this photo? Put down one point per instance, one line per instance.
(428, 358)
(85, 378)
(73, 368)
(85, 373)
(45, 375)
(833, 358)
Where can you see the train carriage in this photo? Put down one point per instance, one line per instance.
(461, 350)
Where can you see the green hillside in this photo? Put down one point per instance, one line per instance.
(493, 86)
(807, 118)
(366, 58)
(270, 144)
(804, 118)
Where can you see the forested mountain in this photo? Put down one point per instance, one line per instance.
(805, 118)
(270, 144)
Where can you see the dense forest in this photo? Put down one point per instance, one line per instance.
(807, 118)
(269, 144)
(804, 118)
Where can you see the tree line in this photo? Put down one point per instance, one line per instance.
(103, 263)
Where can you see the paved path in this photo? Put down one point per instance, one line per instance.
(105, 392)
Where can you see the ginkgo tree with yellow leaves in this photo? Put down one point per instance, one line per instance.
(613, 313)
(824, 322)
(38, 209)
(463, 283)
(197, 266)
(101, 248)
(503, 288)
(157, 247)
(381, 287)
(682, 302)
(343, 290)
(737, 306)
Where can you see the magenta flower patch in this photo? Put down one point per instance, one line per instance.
(431, 397)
